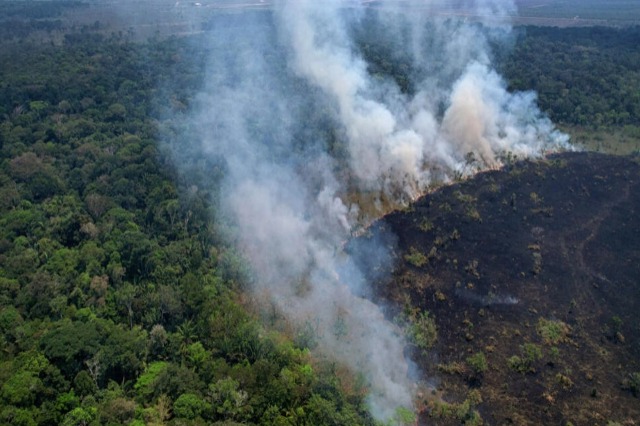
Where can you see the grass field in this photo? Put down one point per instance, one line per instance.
(619, 141)
(615, 10)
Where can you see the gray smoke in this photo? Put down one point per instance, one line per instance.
(307, 133)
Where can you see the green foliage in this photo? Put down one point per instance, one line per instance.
(452, 368)
(197, 354)
(67, 401)
(189, 406)
(531, 353)
(583, 76)
(425, 225)
(552, 331)
(616, 323)
(422, 330)
(228, 399)
(632, 383)
(20, 389)
(84, 384)
(416, 258)
(464, 412)
(71, 343)
(9, 318)
(118, 301)
(478, 363)
(117, 410)
(405, 416)
(79, 416)
(17, 416)
(306, 336)
(564, 381)
(148, 380)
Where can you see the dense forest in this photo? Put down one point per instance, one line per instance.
(121, 301)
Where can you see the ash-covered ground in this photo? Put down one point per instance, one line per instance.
(537, 267)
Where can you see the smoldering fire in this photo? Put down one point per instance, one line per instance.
(278, 80)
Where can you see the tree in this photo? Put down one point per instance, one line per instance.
(70, 344)
(228, 400)
(124, 352)
(146, 385)
(17, 416)
(118, 411)
(116, 112)
(190, 406)
(125, 296)
(80, 416)
(22, 388)
(85, 384)
(197, 355)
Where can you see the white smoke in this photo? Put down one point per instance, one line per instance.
(393, 137)
(272, 76)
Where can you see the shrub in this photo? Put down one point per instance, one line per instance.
(478, 363)
(530, 354)
(552, 331)
(452, 368)
(632, 383)
(415, 258)
(464, 412)
(423, 331)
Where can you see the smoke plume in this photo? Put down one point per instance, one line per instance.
(312, 135)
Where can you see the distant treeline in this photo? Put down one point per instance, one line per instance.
(37, 9)
(583, 76)
(19, 19)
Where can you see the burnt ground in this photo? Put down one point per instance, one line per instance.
(541, 257)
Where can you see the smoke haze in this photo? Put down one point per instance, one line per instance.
(308, 131)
